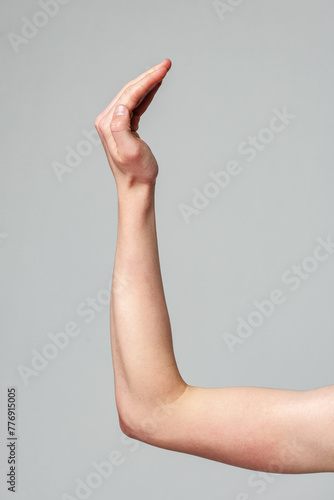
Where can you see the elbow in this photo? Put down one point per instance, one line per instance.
(126, 417)
(153, 421)
(125, 427)
(143, 425)
(134, 421)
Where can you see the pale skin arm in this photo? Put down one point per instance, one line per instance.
(270, 430)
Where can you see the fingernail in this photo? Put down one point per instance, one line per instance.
(120, 110)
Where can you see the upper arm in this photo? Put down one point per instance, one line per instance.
(263, 429)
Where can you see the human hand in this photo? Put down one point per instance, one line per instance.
(130, 158)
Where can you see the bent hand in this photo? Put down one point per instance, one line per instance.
(130, 158)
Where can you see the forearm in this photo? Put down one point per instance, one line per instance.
(145, 369)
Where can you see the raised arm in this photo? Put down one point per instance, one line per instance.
(255, 428)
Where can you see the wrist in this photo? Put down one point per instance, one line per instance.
(135, 198)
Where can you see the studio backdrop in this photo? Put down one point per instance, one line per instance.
(242, 129)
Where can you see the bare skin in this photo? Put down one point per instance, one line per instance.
(256, 428)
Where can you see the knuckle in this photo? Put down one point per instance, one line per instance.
(104, 126)
(132, 94)
(96, 123)
(128, 90)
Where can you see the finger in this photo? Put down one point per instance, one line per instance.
(165, 63)
(129, 98)
(153, 89)
(146, 100)
(140, 110)
(120, 128)
(137, 92)
(106, 137)
(134, 121)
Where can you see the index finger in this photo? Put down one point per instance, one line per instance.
(165, 63)
(136, 93)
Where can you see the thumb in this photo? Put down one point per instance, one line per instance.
(121, 128)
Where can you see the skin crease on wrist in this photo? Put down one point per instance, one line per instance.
(258, 428)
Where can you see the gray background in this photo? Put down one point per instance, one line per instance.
(58, 239)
